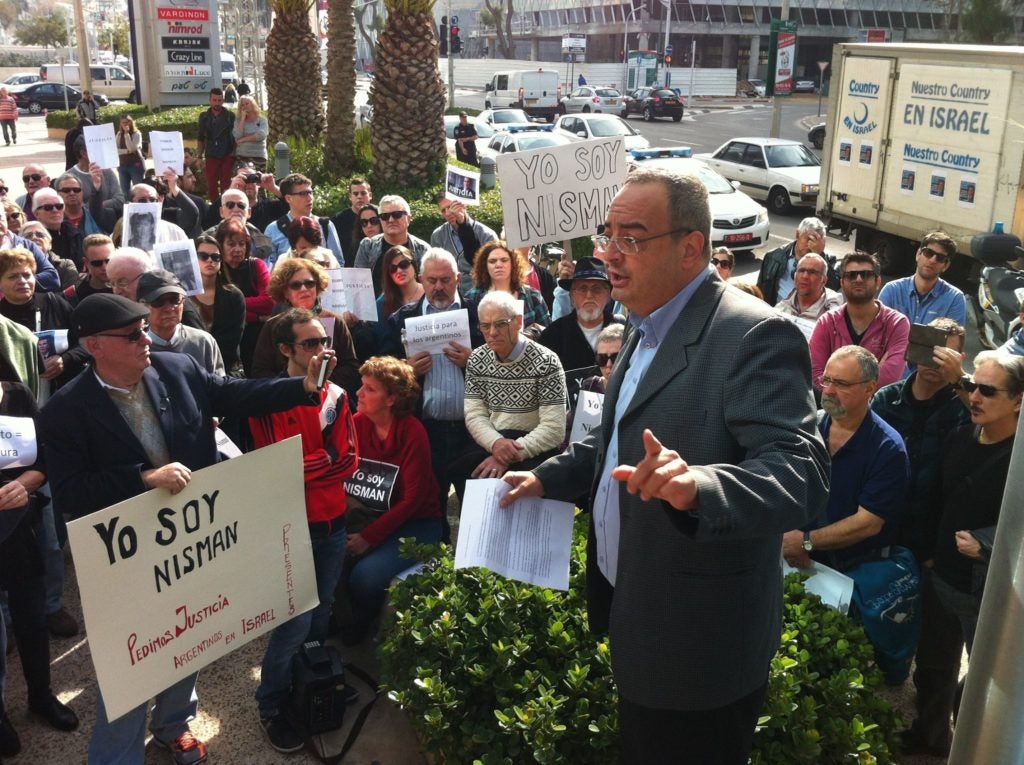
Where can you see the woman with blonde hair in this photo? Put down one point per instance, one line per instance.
(250, 131)
(131, 163)
(299, 283)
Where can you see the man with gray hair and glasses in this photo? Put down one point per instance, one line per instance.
(706, 454)
(777, 278)
(870, 469)
(395, 217)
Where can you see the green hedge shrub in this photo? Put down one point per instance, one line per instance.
(183, 118)
(496, 672)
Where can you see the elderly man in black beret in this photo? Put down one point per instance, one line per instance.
(137, 421)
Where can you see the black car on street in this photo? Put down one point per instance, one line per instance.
(50, 95)
(653, 103)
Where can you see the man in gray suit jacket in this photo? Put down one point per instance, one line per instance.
(711, 401)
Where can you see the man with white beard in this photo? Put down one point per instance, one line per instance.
(574, 337)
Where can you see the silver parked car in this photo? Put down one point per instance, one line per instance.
(592, 99)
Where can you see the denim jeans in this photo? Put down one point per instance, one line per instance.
(53, 560)
(123, 741)
(285, 641)
(129, 175)
(370, 576)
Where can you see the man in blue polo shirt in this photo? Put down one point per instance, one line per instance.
(924, 296)
(870, 469)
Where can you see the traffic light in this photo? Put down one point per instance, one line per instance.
(443, 35)
(456, 40)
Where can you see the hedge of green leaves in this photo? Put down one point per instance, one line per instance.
(495, 672)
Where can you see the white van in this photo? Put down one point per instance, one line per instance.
(537, 92)
(228, 72)
(110, 80)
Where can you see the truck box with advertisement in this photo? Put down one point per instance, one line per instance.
(922, 138)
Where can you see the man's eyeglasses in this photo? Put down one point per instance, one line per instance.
(4, 189)
(35, 177)
(603, 359)
(306, 193)
(374, 221)
(940, 257)
(302, 284)
(208, 256)
(51, 206)
(629, 245)
(401, 265)
(852, 276)
(500, 324)
(810, 272)
(988, 391)
(70, 191)
(146, 200)
(35, 235)
(313, 343)
(596, 288)
(394, 214)
(132, 337)
(840, 384)
(721, 263)
(233, 205)
(165, 301)
(99, 263)
(125, 283)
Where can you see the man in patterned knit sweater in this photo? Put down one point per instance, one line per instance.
(515, 395)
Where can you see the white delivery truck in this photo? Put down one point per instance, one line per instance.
(538, 92)
(922, 137)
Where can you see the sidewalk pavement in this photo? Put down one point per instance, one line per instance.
(228, 721)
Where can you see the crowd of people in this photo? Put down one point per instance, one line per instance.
(711, 456)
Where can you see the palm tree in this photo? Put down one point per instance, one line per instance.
(341, 87)
(292, 71)
(408, 98)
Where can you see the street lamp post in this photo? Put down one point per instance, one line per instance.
(625, 45)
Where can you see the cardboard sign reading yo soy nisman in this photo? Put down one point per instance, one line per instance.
(172, 582)
(373, 483)
(559, 192)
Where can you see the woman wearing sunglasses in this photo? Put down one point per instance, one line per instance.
(400, 285)
(724, 261)
(609, 343)
(252, 277)
(221, 305)
(968, 498)
(298, 283)
(14, 215)
(496, 268)
(39, 312)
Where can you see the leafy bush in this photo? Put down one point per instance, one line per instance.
(493, 671)
(183, 118)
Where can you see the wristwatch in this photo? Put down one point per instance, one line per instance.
(959, 384)
(808, 544)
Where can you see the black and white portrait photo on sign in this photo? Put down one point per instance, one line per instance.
(140, 222)
(463, 185)
(180, 259)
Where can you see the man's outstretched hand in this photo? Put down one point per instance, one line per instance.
(661, 474)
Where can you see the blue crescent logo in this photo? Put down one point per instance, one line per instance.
(862, 120)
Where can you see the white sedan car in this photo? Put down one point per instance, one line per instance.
(592, 99)
(522, 138)
(587, 126)
(737, 221)
(785, 173)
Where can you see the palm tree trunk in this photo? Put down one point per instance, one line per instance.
(341, 87)
(292, 71)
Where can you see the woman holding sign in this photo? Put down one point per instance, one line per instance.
(298, 283)
(496, 268)
(392, 495)
(21, 575)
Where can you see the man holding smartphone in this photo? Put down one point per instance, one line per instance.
(329, 456)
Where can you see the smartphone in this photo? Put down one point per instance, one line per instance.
(922, 339)
(325, 364)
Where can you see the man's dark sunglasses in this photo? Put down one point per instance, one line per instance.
(988, 391)
(51, 206)
(313, 343)
(70, 191)
(233, 205)
(604, 358)
(852, 276)
(941, 257)
(396, 214)
(132, 337)
(32, 177)
(99, 263)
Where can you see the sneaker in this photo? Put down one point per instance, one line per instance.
(10, 744)
(186, 749)
(281, 735)
(912, 744)
(62, 624)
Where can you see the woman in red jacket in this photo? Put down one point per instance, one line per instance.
(394, 487)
